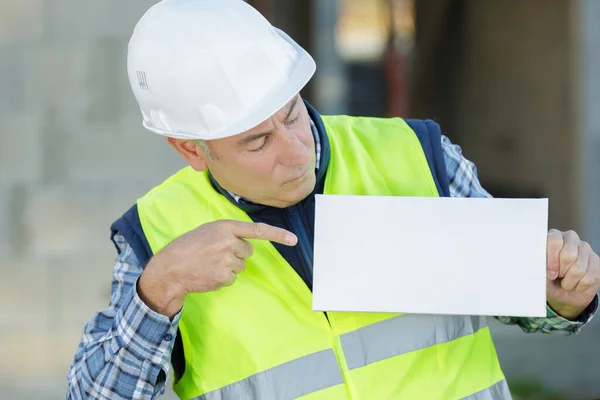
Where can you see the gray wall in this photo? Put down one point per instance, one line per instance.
(73, 157)
(515, 109)
(499, 76)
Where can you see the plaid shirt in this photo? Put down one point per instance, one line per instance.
(125, 350)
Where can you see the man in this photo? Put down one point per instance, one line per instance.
(214, 272)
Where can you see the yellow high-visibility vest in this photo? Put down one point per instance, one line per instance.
(260, 339)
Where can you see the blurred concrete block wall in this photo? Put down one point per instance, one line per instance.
(73, 157)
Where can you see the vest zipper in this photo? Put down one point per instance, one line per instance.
(306, 249)
(341, 357)
(303, 242)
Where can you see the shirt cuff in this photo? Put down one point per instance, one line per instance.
(150, 336)
(572, 326)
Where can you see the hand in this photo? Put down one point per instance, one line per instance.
(573, 271)
(202, 260)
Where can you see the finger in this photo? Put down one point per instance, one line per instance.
(554, 244)
(239, 266)
(569, 252)
(243, 249)
(592, 274)
(577, 270)
(231, 278)
(251, 230)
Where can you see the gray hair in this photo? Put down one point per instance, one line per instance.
(203, 144)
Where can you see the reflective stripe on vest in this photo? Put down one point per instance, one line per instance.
(404, 334)
(498, 391)
(367, 345)
(288, 381)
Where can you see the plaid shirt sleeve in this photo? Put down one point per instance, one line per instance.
(125, 350)
(462, 176)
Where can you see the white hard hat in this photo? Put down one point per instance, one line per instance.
(209, 69)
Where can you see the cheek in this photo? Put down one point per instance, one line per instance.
(261, 166)
(304, 129)
(305, 135)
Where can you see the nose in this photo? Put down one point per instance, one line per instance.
(294, 152)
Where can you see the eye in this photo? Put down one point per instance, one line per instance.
(262, 146)
(293, 121)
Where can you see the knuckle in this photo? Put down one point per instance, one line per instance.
(572, 235)
(219, 231)
(226, 243)
(577, 269)
(212, 287)
(221, 246)
(221, 264)
(224, 276)
(585, 246)
(555, 239)
(250, 249)
(226, 226)
(218, 285)
(220, 224)
(215, 283)
(554, 234)
(230, 241)
(587, 281)
(568, 285)
(230, 281)
(228, 261)
(568, 255)
(259, 230)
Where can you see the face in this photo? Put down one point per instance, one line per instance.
(272, 164)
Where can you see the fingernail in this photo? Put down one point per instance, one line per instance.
(290, 239)
(552, 275)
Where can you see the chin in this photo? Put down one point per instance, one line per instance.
(303, 190)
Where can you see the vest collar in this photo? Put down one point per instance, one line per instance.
(325, 152)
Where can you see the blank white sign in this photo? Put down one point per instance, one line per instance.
(455, 256)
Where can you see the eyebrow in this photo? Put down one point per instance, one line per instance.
(256, 136)
(292, 107)
(252, 138)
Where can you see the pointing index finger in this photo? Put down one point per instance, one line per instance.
(261, 231)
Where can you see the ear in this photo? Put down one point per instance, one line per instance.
(191, 152)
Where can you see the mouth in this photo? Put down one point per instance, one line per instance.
(299, 177)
